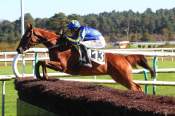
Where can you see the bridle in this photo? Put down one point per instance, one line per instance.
(43, 41)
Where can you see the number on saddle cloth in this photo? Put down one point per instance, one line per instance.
(97, 56)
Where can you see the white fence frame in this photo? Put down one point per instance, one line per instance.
(119, 51)
(4, 55)
(153, 52)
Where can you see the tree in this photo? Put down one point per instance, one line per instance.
(57, 22)
(114, 25)
(146, 37)
(91, 20)
(28, 19)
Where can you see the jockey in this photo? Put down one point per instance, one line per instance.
(84, 37)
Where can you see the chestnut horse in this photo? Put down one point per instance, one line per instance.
(119, 67)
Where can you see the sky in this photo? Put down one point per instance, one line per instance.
(10, 9)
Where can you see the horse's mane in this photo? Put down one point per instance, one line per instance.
(46, 33)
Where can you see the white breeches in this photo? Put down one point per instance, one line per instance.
(100, 43)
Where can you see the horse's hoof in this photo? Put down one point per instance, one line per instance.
(45, 78)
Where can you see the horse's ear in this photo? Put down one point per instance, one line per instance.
(29, 26)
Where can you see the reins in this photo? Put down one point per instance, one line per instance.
(47, 41)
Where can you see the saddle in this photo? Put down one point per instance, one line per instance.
(94, 55)
(86, 56)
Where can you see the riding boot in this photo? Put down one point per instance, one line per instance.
(84, 58)
(74, 60)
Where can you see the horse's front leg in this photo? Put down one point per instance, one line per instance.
(49, 64)
(54, 65)
(44, 71)
(45, 76)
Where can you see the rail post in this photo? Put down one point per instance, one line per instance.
(35, 61)
(5, 57)
(3, 98)
(155, 70)
(3, 79)
(145, 78)
(172, 58)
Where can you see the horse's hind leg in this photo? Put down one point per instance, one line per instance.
(127, 82)
(144, 63)
(124, 77)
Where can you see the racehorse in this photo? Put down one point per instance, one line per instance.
(119, 67)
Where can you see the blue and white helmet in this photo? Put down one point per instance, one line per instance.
(74, 24)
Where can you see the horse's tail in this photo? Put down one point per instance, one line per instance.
(140, 60)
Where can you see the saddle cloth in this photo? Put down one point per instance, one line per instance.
(97, 56)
